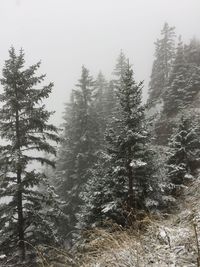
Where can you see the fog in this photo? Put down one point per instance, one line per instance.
(65, 34)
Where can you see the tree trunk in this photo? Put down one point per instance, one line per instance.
(130, 187)
(19, 192)
(20, 216)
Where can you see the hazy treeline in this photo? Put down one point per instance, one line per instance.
(117, 158)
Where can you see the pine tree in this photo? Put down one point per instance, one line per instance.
(116, 83)
(100, 90)
(175, 96)
(78, 151)
(164, 55)
(182, 89)
(129, 148)
(66, 178)
(192, 52)
(183, 160)
(192, 55)
(119, 71)
(120, 68)
(122, 177)
(27, 217)
(104, 104)
(109, 102)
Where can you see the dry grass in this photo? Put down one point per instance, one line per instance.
(152, 242)
(111, 249)
(165, 242)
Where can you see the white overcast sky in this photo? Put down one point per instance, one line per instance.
(65, 34)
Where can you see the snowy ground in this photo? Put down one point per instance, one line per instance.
(170, 241)
(167, 242)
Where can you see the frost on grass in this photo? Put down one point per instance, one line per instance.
(166, 242)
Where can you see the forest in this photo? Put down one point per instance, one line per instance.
(114, 164)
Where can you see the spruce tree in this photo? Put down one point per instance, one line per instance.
(129, 147)
(122, 177)
(28, 214)
(100, 90)
(182, 89)
(104, 104)
(116, 83)
(174, 99)
(119, 69)
(183, 160)
(192, 51)
(118, 73)
(192, 56)
(78, 151)
(164, 55)
(109, 102)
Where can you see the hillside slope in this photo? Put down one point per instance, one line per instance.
(166, 242)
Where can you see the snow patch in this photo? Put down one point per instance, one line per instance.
(137, 163)
(2, 257)
(108, 207)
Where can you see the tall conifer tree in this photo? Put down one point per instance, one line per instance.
(174, 99)
(122, 176)
(120, 68)
(184, 156)
(28, 215)
(164, 55)
(100, 91)
(78, 150)
(183, 87)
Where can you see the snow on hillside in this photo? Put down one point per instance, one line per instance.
(168, 241)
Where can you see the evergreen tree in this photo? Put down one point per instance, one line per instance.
(175, 96)
(182, 89)
(119, 70)
(66, 178)
(192, 55)
(104, 104)
(109, 102)
(164, 55)
(129, 147)
(183, 160)
(28, 216)
(116, 83)
(122, 177)
(100, 90)
(192, 52)
(78, 151)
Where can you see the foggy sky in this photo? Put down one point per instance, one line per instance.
(65, 34)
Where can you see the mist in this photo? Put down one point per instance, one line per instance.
(66, 34)
(106, 180)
